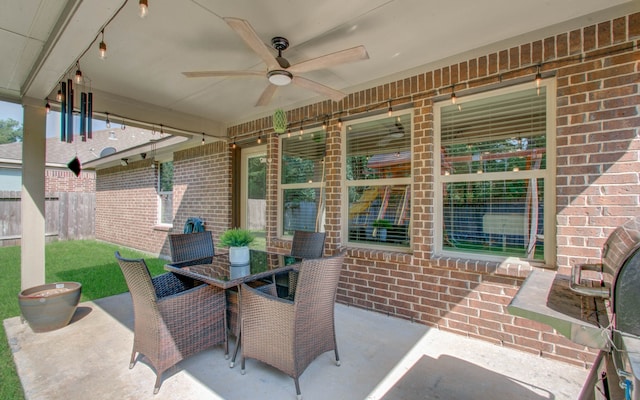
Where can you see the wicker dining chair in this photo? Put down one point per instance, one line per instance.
(289, 335)
(191, 248)
(305, 245)
(172, 319)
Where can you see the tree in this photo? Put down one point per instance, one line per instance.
(10, 131)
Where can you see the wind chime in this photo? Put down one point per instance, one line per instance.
(67, 109)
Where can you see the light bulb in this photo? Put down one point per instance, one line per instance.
(453, 98)
(108, 122)
(339, 123)
(103, 50)
(59, 96)
(144, 8)
(48, 107)
(78, 76)
(538, 77)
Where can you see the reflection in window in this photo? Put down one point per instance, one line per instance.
(378, 179)
(302, 182)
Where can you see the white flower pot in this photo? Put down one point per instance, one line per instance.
(238, 271)
(239, 256)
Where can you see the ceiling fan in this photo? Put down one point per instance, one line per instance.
(279, 71)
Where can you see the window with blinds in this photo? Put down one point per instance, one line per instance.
(493, 174)
(378, 180)
(302, 181)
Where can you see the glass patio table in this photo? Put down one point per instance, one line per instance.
(263, 266)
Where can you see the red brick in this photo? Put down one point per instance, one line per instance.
(604, 34)
(634, 26)
(589, 38)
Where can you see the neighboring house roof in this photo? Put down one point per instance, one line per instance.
(103, 142)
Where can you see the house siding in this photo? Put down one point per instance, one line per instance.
(596, 69)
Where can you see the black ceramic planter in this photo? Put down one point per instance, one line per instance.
(50, 306)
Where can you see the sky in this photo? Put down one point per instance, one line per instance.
(14, 111)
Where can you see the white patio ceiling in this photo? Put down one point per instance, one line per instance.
(41, 40)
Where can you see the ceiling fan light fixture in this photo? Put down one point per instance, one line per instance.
(279, 77)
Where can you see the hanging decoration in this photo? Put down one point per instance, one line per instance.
(69, 98)
(279, 121)
(74, 165)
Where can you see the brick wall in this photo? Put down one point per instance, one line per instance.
(126, 207)
(597, 75)
(202, 187)
(63, 180)
(127, 202)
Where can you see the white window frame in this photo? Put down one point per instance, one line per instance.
(321, 185)
(548, 175)
(346, 184)
(161, 193)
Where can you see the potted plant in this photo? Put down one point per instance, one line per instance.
(49, 306)
(380, 229)
(237, 240)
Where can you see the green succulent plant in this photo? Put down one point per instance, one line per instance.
(236, 238)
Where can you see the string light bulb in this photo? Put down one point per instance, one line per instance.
(202, 143)
(233, 146)
(144, 8)
(78, 74)
(259, 139)
(108, 122)
(453, 95)
(538, 77)
(59, 96)
(48, 107)
(339, 123)
(390, 110)
(102, 47)
(289, 133)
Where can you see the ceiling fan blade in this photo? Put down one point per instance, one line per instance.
(266, 95)
(330, 60)
(333, 94)
(251, 38)
(207, 74)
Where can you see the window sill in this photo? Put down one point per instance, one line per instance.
(163, 227)
(511, 267)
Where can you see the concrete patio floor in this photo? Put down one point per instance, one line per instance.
(382, 358)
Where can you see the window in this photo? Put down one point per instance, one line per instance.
(302, 181)
(495, 185)
(165, 193)
(378, 181)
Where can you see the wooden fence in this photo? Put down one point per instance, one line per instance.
(68, 215)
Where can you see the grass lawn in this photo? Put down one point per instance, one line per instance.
(89, 262)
